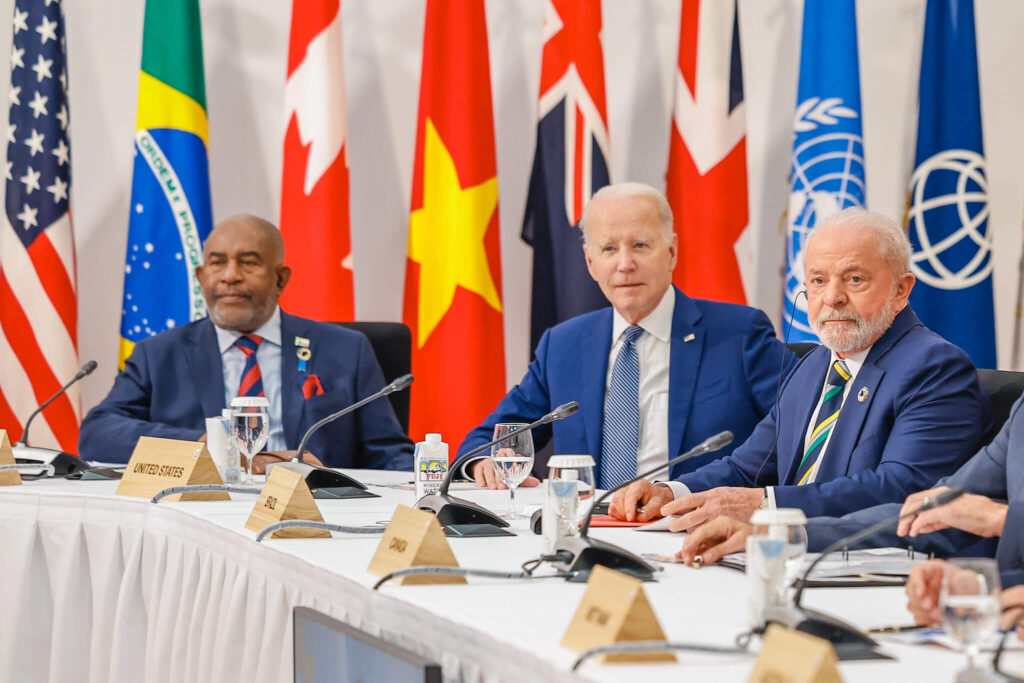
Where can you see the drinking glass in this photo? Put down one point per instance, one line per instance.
(971, 608)
(250, 428)
(512, 458)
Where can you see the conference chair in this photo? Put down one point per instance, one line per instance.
(1003, 388)
(392, 344)
(801, 348)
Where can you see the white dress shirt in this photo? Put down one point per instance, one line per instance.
(653, 351)
(268, 356)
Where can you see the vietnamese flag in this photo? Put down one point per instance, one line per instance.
(453, 273)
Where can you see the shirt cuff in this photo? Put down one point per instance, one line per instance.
(770, 491)
(678, 488)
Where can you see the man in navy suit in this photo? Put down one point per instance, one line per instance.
(655, 374)
(307, 370)
(883, 408)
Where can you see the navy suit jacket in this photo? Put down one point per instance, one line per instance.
(174, 380)
(724, 377)
(996, 471)
(922, 416)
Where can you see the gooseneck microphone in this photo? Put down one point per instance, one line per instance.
(451, 510)
(62, 463)
(847, 638)
(578, 554)
(83, 372)
(322, 477)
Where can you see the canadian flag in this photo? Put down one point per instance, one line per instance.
(707, 169)
(314, 183)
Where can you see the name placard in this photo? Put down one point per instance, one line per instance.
(157, 464)
(615, 609)
(286, 496)
(414, 538)
(7, 477)
(789, 656)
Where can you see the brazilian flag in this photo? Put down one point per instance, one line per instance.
(170, 214)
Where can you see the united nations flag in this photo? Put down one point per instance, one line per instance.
(170, 209)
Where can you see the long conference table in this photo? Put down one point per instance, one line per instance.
(99, 587)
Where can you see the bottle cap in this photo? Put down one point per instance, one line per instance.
(571, 461)
(250, 402)
(433, 438)
(788, 516)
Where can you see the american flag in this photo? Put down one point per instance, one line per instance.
(38, 309)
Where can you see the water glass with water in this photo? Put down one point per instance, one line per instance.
(512, 458)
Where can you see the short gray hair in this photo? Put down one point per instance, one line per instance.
(628, 191)
(892, 240)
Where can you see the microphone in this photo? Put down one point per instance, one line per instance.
(63, 463)
(579, 554)
(451, 510)
(322, 477)
(823, 625)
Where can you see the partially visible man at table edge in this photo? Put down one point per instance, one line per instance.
(176, 379)
(883, 408)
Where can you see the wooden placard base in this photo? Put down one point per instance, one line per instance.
(158, 464)
(414, 538)
(789, 656)
(615, 609)
(286, 496)
(7, 477)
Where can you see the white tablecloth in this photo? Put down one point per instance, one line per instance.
(99, 587)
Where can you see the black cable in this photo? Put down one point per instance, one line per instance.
(655, 646)
(464, 571)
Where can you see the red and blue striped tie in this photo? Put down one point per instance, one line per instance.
(252, 380)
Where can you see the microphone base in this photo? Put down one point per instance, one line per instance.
(63, 463)
(850, 642)
(450, 510)
(319, 477)
(586, 552)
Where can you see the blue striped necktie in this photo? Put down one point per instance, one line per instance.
(828, 414)
(620, 434)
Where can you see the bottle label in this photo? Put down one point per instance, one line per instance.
(430, 473)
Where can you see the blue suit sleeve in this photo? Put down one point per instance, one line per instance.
(939, 419)
(111, 429)
(385, 446)
(527, 401)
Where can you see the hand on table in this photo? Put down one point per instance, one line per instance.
(714, 540)
(485, 476)
(971, 513)
(1013, 609)
(923, 587)
(641, 501)
(731, 501)
(260, 462)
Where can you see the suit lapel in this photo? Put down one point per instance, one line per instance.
(593, 364)
(203, 356)
(292, 402)
(685, 353)
(802, 407)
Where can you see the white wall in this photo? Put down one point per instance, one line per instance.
(245, 48)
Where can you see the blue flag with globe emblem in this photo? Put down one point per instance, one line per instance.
(827, 166)
(947, 219)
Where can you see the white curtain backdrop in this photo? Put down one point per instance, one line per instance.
(245, 44)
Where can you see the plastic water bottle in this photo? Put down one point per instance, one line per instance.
(430, 463)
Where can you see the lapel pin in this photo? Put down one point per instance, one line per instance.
(690, 337)
(302, 341)
(303, 352)
(862, 395)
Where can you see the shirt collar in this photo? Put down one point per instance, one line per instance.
(658, 322)
(854, 361)
(270, 331)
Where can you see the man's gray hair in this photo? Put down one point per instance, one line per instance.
(628, 191)
(892, 240)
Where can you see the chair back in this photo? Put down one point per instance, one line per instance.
(1003, 388)
(392, 344)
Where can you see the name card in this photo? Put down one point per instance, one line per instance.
(286, 496)
(789, 656)
(7, 477)
(414, 538)
(615, 609)
(158, 464)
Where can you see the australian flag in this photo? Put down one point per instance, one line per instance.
(947, 221)
(570, 163)
(827, 167)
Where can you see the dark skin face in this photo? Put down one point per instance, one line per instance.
(243, 273)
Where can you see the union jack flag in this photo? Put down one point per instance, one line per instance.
(38, 309)
(569, 165)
